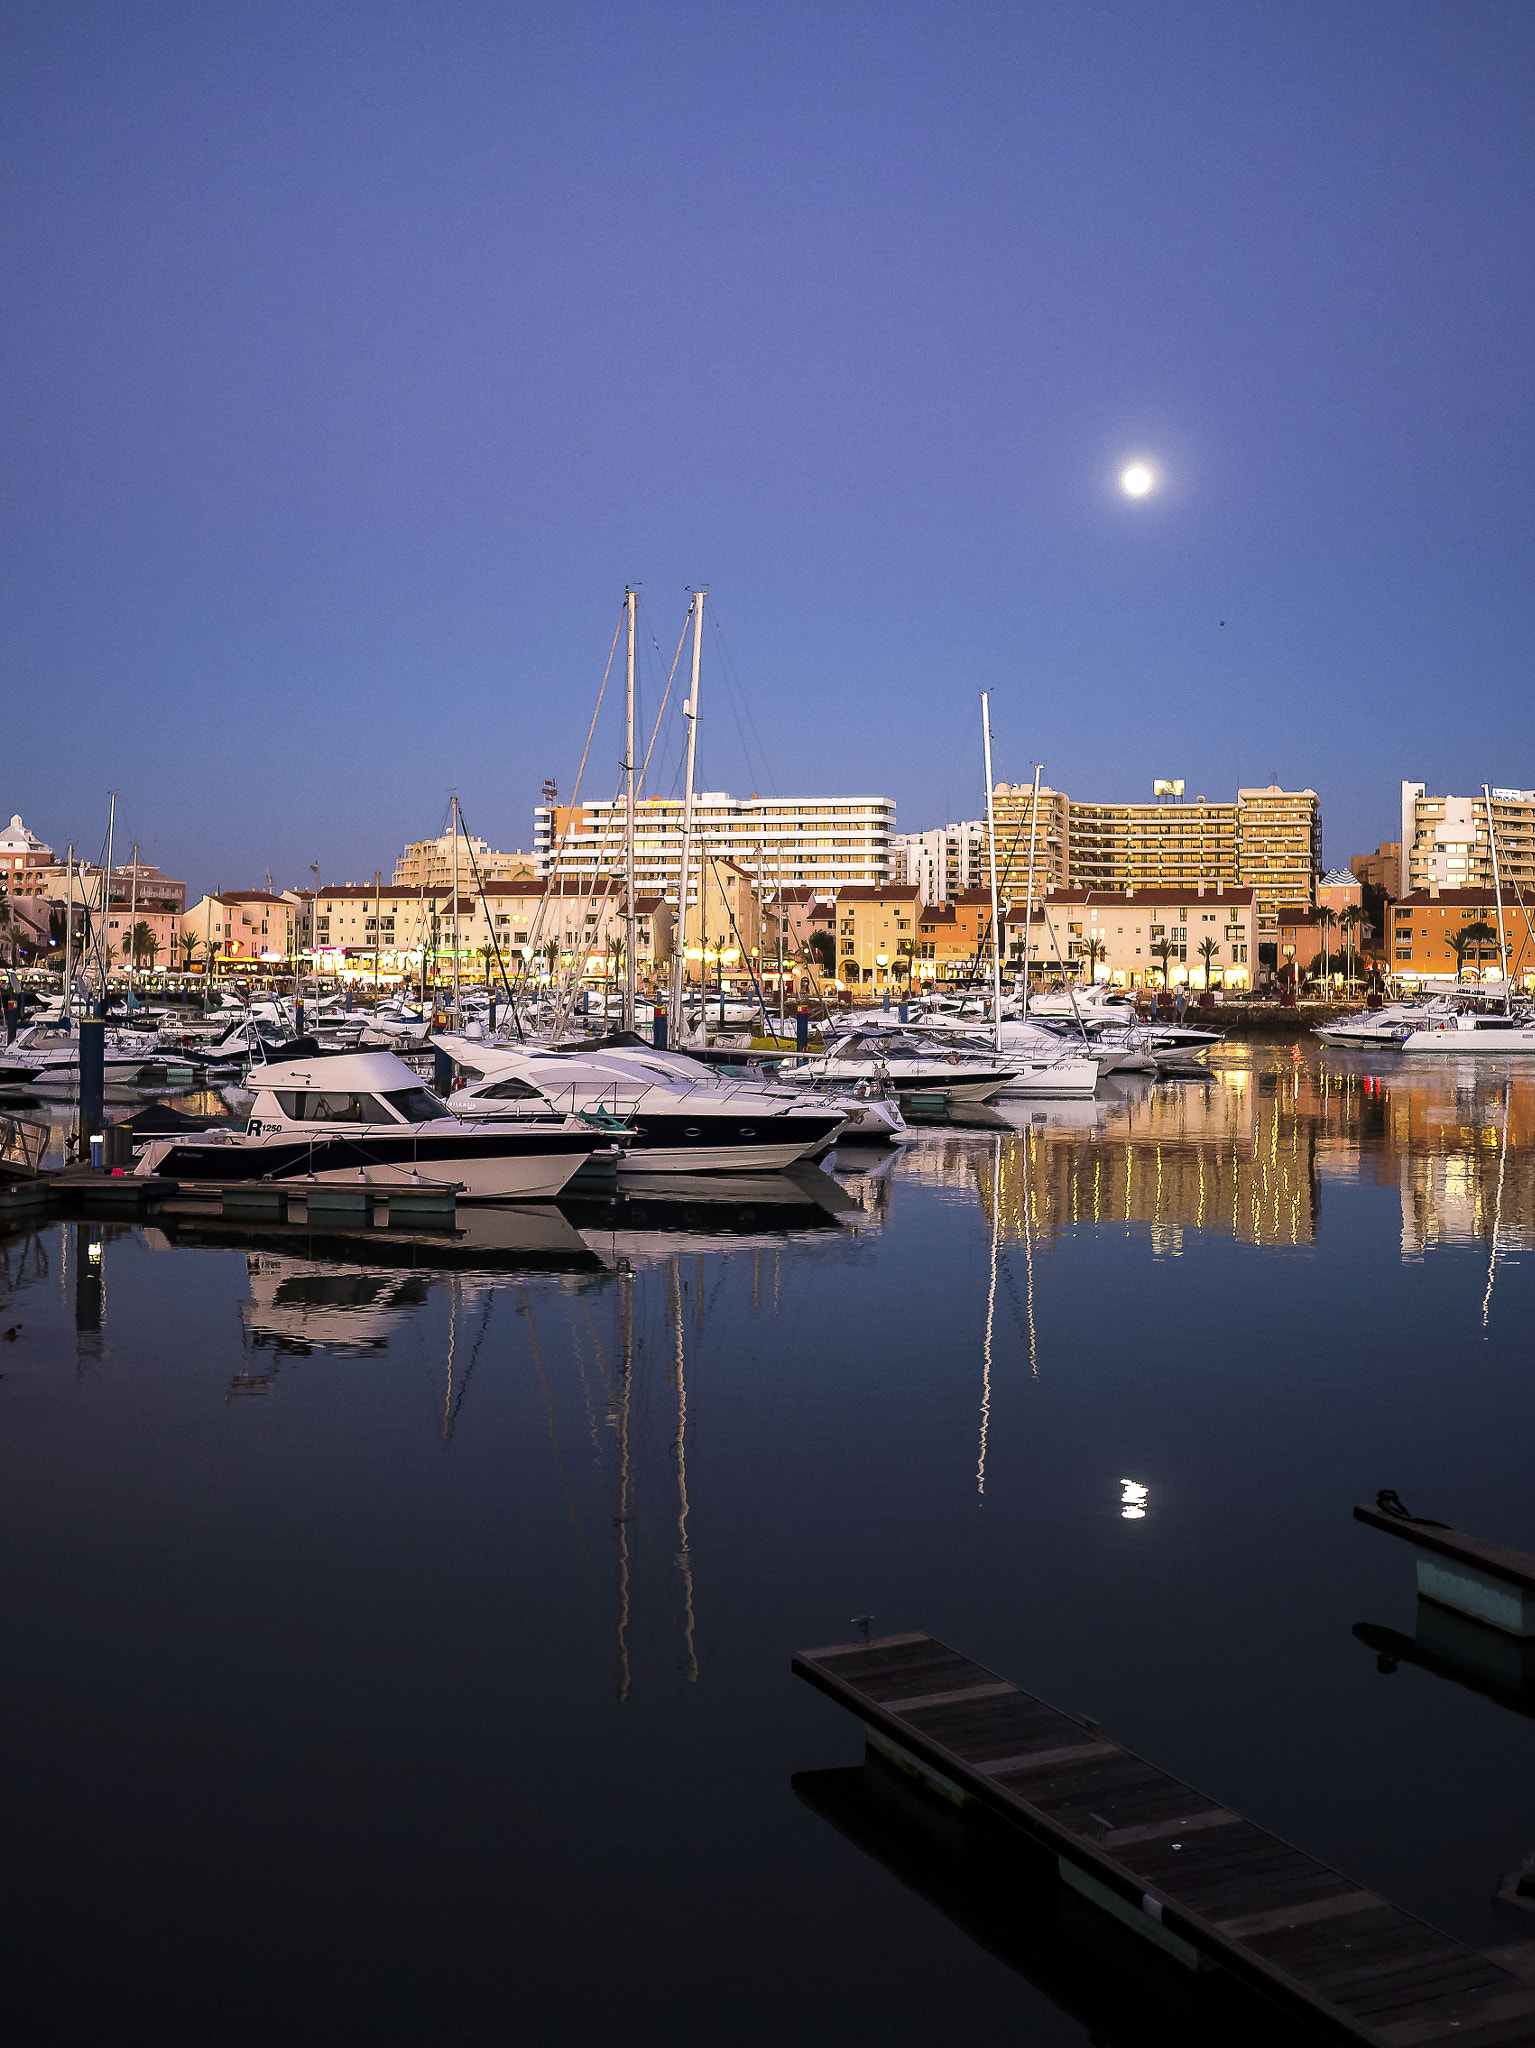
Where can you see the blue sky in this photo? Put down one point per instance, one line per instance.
(357, 356)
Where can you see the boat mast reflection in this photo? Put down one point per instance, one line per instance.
(684, 1548)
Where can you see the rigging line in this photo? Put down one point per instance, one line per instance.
(745, 954)
(557, 846)
(495, 946)
(665, 695)
(735, 682)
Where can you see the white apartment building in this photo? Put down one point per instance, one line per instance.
(821, 842)
(942, 863)
(1445, 842)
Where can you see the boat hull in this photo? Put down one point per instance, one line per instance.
(486, 1167)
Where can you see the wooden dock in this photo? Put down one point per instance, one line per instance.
(100, 1192)
(1203, 1883)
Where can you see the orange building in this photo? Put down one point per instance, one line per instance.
(1423, 926)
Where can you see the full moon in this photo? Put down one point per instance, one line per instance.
(1137, 480)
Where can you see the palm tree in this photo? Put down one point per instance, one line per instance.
(1093, 950)
(1164, 950)
(1478, 934)
(189, 944)
(1348, 924)
(1326, 918)
(1208, 948)
(144, 943)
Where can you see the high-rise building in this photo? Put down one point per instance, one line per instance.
(1279, 850)
(1445, 840)
(1269, 840)
(943, 862)
(1017, 822)
(823, 842)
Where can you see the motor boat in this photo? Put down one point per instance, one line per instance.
(904, 1063)
(1031, 1049)
(364, 1115)
(1386, 1028)
(46, 1055)
(685, 1117)
(1495, 1033)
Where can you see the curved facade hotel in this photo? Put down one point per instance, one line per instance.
(825, 842)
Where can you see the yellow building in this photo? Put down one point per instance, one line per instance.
(1117, 935)
(723, 926)
(428, 863)
(877, 934)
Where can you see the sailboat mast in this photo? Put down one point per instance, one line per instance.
(679, 943)
(630, 595)
(991, 836)
(69, 929)
(1028, 908)
(106, 897)
(133, 917)
(455, 914)
(1497, 883)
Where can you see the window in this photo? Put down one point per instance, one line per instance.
(416, 1105)
(310, 1106)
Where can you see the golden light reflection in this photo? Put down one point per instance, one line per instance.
(1248, 1155)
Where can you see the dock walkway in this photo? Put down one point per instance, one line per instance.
(1203, 1882)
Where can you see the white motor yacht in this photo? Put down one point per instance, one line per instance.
(1387, 1027)
(685, 1118)
(1036, 1063)
(48, 1056)
(1493, 1034)
(345, 1116)
(907, 1065)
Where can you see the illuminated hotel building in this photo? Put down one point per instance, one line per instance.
(823, 842)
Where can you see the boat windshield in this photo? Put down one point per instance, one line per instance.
(417, 1105)
(311, 1106)
(510, 1090)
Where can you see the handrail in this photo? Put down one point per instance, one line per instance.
(23, 1142)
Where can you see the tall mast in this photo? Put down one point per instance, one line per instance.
(69, 929)
(630, 596)
(455, 914)
(133, 914)
(1492, 840)
(1028, 908)
(106, 897)
(991, 835)
(679, 944)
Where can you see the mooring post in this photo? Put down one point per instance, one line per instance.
(442, 1071)
(802, 1029)
(93, 1041)
(658, 1027)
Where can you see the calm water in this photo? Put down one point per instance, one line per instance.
(398, 1637)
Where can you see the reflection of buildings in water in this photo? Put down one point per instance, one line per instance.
(1247, 1154)
(1233, 1155)
(1463, 1158)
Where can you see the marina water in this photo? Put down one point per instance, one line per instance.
(399, 1639)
